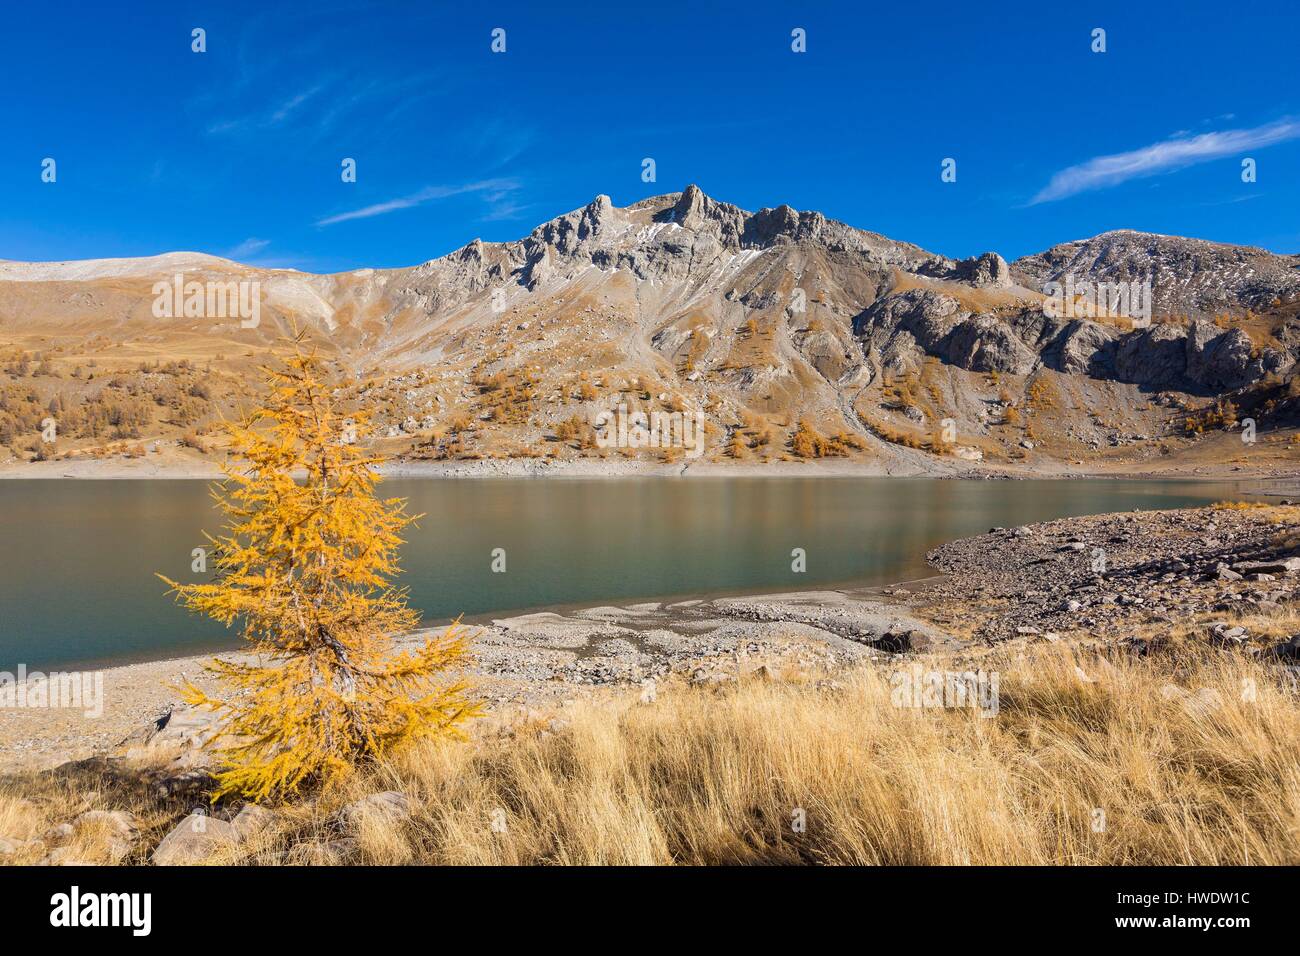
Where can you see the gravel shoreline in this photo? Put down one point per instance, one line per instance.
(1136, 580)
(537, 659)
(175, 466)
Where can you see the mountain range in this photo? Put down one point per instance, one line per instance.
(795, 336)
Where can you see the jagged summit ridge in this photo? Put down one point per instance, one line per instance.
(675, 237)
(689, 235)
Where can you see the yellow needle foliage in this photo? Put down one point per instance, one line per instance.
(304, 568)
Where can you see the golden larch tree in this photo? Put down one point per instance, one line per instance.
(304, 568)
(736, 446)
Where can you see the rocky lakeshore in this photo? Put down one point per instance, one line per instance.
(1138, 579)
(526, 663)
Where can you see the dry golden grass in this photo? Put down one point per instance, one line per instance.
(709, 778)
(971, 299)
(717, 776)
(33, 805)
(1267, 628)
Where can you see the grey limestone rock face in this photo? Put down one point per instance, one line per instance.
(987, 270)
(1187, 276)
(985, 344)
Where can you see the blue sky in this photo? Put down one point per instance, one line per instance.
(237, 151)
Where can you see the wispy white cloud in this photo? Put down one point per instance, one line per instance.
(502, 205)
(291, 104)
(1233, 200)
(249, 247)
(1178, 152)
(496, 190)
(504, 211)
(266, 119)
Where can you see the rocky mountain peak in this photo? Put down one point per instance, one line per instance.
(989, 269)
(1187, 276)
(698, 213)
(600, 208)
(689, 212)
(471, 252)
